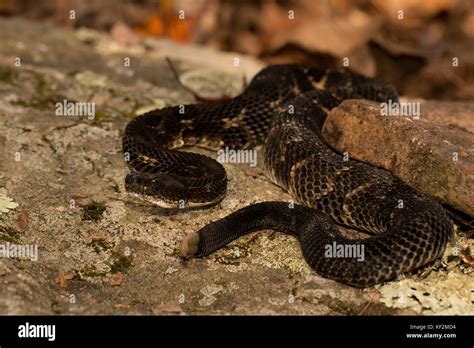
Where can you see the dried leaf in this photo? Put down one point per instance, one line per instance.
(63, 280)
(116, 279)
(23, 220)
(463, 153)
(466, 256)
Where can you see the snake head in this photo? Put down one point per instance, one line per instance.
(167, 190)
(159, 189)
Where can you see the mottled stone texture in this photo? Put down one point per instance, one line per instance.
(124, 260)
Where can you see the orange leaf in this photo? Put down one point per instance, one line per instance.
(63, 280)
(23, 220)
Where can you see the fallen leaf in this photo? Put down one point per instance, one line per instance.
(63, 280)
(116, 279)
(466, 256)
(60, 209)
(23, 220)
(463, 153)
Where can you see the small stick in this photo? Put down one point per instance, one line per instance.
(176, 76)
(189, 90)
(365, 308)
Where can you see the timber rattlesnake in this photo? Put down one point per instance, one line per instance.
(284, 108)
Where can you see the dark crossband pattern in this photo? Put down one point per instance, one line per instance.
(284, 109)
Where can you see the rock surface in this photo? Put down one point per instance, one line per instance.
(433, 157)
(102, 252)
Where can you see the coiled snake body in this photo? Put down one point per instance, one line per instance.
(284, 108)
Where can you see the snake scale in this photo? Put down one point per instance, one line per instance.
(284, 108)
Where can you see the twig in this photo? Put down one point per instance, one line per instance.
(189, 90)
(365, 308)
(176, 76)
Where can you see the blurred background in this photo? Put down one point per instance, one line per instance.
(425, 48)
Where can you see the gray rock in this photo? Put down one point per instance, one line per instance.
(123, 260)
